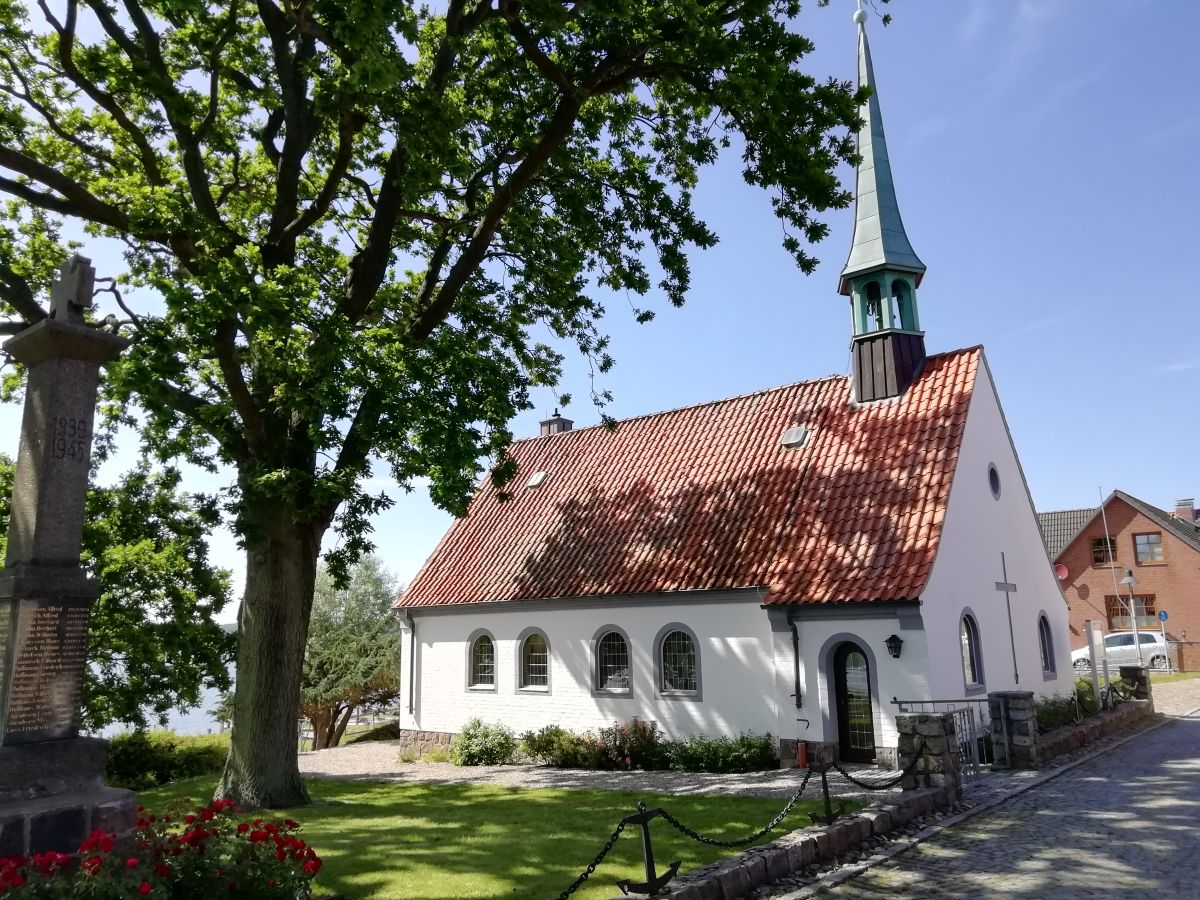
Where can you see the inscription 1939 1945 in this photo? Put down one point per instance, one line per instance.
(70, 438)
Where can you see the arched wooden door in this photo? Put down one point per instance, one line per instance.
(852, 698)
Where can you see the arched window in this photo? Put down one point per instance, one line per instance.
(481, 669)
(971, 660)
(612, 662)
(1046, 643)
(678, 664)
(535, 663)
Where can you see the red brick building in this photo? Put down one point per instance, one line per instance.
(1160, 548)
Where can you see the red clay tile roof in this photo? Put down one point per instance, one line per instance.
(706, 498)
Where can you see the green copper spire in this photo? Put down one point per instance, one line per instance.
(879, 239)
(882, 273)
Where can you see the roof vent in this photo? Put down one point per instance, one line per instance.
(794, 438)
(535, 479)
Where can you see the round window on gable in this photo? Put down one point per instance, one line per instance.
(994, 480)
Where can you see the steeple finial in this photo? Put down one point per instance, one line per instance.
(879, 238)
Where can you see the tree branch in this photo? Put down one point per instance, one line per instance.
(349, 123)
(17, 293)
(552, 138)
(81, 203)
(103, 99)
(243, 402)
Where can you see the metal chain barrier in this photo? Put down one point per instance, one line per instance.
(886, 785)
(587, 873)
(741, 842)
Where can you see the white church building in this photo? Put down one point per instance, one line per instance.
(788, 561)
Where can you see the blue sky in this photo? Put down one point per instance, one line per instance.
(1045, 159)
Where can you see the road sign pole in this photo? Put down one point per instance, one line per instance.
(1162, 623)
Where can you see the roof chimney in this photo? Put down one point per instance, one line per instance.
(1186, 509)
(555, 424)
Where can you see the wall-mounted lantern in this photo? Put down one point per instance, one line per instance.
(893, 644)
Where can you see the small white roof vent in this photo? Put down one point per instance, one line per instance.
(794, 437)
(535, 479)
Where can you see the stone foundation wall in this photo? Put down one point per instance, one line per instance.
(421, 742)
(1072, 737)
(52, 795)
(737, 876)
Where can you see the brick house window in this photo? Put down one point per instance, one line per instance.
(1118, 612)
(1149, 547)
(1104, 551)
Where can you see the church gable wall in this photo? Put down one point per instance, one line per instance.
(980, 524)
(734, 691)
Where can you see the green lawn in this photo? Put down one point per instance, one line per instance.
(390, 840)
(1163, 677)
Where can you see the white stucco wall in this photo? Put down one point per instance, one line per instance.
(978, 527)
(736, 678)
(904, 678)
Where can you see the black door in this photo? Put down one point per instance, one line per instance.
(852, 696)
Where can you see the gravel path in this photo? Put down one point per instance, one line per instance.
(379, 761)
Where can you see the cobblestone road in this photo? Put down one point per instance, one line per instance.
(1122, 825)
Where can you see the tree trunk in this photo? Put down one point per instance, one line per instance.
(340, 726)
(281, 564)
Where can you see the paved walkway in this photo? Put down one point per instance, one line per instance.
(1122, 825)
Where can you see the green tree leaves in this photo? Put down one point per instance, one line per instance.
(353, 654)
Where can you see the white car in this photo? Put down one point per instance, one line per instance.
(1120, 650)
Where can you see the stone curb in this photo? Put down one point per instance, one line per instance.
(846, 873)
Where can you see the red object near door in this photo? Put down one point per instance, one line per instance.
(801, 754)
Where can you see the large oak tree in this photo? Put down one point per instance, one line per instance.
(350, 219)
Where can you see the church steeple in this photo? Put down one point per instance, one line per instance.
(883, 272)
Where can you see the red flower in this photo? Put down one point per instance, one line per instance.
(131, 863)
(162, 870)
(145, 887)
(231, 887)
(91, 864)
(258, 835)
(243, 827)
(312, 867)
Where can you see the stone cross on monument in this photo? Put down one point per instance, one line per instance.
(51, 789)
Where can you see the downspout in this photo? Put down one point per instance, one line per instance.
(412, 659)
(795, 661)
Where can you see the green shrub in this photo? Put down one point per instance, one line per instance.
(407, 754)
(558, 747)
(1085, 694)
(389, 731)
(482, 745)
(1055, 712)
(437, 755)
(636, 744)
(141, 760)
(745, 753)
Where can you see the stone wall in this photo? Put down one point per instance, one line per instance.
(421, 742)
(736, 876)
(1072, 737)
(1014, 728)
(931, 735)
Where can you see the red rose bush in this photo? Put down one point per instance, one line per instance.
(209, 852)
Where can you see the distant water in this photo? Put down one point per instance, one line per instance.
(196, 721)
